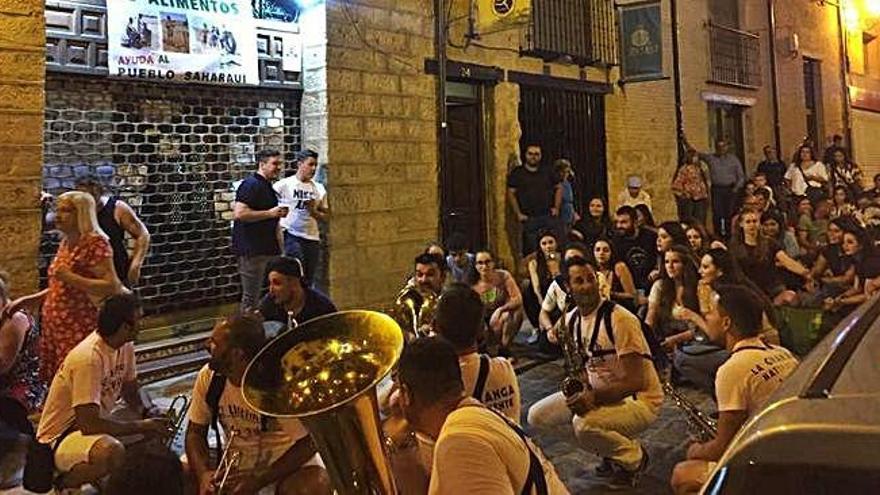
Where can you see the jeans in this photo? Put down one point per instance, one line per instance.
(723, 199)
(688, 210)
(607, 431)
(534, 226)
(699, 363)
(252, 270)
(305, 250)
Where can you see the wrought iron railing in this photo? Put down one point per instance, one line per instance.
(735, 56)
(582, 32)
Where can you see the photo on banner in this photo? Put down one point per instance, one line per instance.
(190, 41)
(641, 42)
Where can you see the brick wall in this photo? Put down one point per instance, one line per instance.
(381, 154)
(22, 49)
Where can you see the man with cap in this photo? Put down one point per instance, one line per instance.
(116, 218)
(634, 194)
(291, 294)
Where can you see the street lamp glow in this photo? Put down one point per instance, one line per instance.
(872, 7)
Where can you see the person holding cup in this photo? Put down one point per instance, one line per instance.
(256, 238)
(307, 200)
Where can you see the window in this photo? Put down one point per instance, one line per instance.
(793, 479)
(724, 13)
(726, 122)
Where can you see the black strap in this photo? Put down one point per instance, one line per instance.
(536, 478)
(482, 376)
(212, 397)
(603, 315)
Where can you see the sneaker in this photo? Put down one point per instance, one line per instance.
(624, 478)
(605, 469)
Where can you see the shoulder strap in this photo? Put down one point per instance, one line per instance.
(603, 315)
(482, 376)
(212, 397)
(536, 478)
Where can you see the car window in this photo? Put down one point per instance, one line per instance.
(861, 375)
(792, 479)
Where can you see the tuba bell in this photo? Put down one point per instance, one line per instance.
(325, 374)
(415, 310)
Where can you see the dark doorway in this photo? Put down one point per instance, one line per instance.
(568, 124)
(726, 122)
(463, 206)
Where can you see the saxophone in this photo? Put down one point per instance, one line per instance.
(703, 427)
(576, 380)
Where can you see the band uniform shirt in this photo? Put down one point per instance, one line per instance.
(296, 194)
(259, 448)
(751, 374)
(92, 373)
(628, 339)
(256, 238)
(478, 453)
(501, 391)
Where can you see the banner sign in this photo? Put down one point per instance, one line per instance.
(641, 42)
(199, 41)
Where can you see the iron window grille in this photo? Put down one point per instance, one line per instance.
(577, 31)
(734, 56)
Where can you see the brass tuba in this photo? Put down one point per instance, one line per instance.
(415, 310)
(325, 374)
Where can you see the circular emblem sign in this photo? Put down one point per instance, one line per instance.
(502, 7)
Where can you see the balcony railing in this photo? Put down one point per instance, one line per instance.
(581, 31)
(735, 57)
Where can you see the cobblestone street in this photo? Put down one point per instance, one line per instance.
(666, 440)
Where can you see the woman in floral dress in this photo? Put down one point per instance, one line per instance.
(80, 277)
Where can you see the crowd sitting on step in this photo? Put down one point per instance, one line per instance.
(634, 293)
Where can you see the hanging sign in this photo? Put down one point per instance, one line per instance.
(198, 41)
(499, 15)
(641, 42)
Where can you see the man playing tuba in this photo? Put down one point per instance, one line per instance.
(414, 306)
(270, 451)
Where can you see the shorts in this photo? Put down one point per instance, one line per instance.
(74, 449)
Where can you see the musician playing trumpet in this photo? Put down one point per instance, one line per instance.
(743, 383)
(271, 451)
(624, 393)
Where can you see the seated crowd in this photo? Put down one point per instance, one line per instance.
(633, 306)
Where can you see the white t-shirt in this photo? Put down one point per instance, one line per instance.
(262, 447)
(628, 339)
(478, 453)
(799, 183)
(295, 193)
(501, 391)
(92, 373)
(751, 374)
(554, 299)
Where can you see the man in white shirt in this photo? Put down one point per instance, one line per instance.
(478, 450)
(626, 394)
(273, 450)
(459, 319)
(76, 420)
(307, 201)
(753, 372)
(553, 306)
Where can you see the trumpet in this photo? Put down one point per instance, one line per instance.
(228, 464)
(176, 414)
(703, 427)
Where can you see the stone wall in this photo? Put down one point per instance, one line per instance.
(381, 154)
(22, 55)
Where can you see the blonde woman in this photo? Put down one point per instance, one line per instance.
(80, 277)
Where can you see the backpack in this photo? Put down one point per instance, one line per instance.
(658, 356)
(212, 398)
